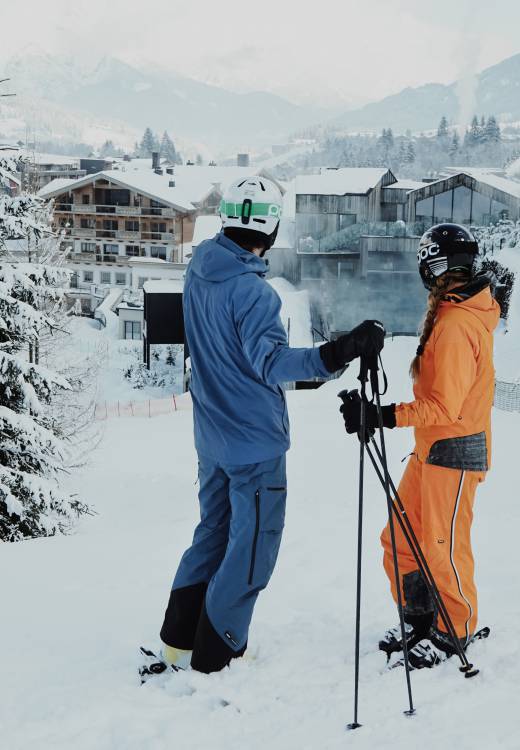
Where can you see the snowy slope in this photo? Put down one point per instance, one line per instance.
(75, 609)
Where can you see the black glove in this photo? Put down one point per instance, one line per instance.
(351, 410)
(366, 340)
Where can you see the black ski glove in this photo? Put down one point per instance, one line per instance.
(366, 340)
(351, 410)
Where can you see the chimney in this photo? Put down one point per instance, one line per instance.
(155, 160)
(169, 170)
(242, 160)
(171, 183)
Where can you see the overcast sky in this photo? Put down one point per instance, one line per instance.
(323, 49)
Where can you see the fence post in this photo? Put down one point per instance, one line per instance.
(106, 410)
(174, 401)
(149, 409)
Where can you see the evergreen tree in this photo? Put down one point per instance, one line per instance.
(149, 144)
(167, 149)
(32, 455)
(454, 145)
(492, 132)
(410, 152)
(442, 130)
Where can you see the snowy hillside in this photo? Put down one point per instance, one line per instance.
(110, 98)
(75, 609)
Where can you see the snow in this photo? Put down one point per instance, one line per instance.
(164, 286)
(56, 186)
(295, 313)
(206, 227)
(345, 181)
(76, 608)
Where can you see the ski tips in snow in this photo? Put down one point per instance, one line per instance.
(153, 665)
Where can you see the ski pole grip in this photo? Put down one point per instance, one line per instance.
(366, 365)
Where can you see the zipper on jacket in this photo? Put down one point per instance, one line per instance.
(255, 537)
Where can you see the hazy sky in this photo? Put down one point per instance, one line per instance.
(320, 49)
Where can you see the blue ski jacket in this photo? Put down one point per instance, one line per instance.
(239, 356)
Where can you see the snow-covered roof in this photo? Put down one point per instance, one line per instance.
(146, 259)
(344, 181)
(154, 186)
(10, 176)
(484, 175)
(164, 286)
(405, 185)
(205, 228)
(54, 187)
(187, 187)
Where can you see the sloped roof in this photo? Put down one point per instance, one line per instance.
(192, 184)
(344, 181)
(483, 175)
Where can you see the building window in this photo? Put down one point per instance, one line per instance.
(106, 277)
(132, 250)
(121, 279)
(111, 225)
(443, 207)
(424, 211)
(132, 329)
(158, 226)
(462, 205)
(88, 276)
(156, 251)
(87, 223)
(110, 249)
(88, 247)
(132, 226)
(85, 199)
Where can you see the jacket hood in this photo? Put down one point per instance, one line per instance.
(477, 297)
(220, 259)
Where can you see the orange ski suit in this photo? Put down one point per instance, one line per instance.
(451, 415)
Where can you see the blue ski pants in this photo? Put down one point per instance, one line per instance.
(235, 545)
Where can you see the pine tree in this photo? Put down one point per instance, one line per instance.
(32, 455)
(442, 130)
(454, 145)
(410, 152)
(168, 149)
(148, 144)
(492, 132)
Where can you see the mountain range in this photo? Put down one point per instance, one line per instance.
(122, 93)
(495, 91)
(59, 98)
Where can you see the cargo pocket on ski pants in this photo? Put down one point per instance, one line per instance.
(269, 513)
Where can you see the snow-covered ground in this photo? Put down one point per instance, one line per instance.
(75, 609)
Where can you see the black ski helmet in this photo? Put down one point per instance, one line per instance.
(445, 247)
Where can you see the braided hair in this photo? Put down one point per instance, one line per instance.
(438, 290)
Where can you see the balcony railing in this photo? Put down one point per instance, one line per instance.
(127, 235)
(91, 208)
(158, 236)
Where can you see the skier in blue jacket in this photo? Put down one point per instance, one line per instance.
(240, 359)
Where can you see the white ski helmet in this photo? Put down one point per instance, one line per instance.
(252, 203)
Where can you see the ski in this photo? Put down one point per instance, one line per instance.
(424, 655)
(392, 641)
(153, 665)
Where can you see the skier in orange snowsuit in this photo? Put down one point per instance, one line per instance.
(453, 386)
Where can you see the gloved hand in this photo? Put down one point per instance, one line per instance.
(366, 340)
(351, 410)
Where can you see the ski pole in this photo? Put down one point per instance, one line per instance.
(413, 543)
(375, 390)
(363, 377)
